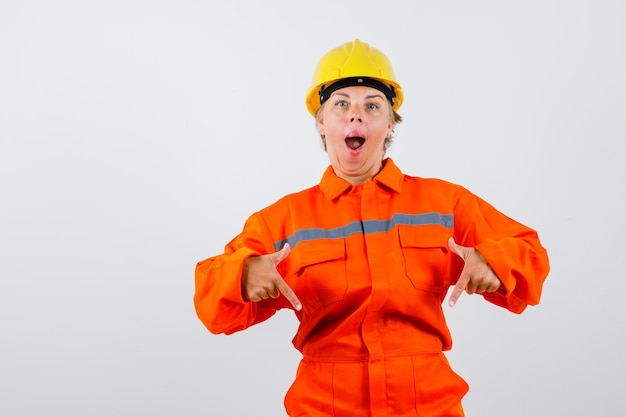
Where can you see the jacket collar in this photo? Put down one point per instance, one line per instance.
(389, 176)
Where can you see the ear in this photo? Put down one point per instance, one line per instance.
(320, 124)
(390, 127)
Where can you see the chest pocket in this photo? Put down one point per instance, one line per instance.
(426, 256)
(321, 277)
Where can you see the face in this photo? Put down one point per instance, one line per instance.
(355, 121)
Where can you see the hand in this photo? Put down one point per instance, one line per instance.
(476, 276)
(260, 279)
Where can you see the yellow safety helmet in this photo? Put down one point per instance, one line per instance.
(353, 63)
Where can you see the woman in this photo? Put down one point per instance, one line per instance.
(365, 259)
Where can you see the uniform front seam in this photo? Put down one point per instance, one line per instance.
(414, 386)
(332, 384)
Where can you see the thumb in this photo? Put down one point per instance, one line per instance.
(458, 249)
(277, 257)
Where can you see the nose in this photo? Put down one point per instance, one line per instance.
(356, 116)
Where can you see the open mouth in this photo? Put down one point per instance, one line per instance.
(355, 142)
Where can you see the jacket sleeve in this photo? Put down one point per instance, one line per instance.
(218, 296)
(513, 251)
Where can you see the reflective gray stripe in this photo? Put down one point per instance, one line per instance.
(367, 227)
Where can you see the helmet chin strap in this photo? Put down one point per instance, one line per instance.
(326, 92)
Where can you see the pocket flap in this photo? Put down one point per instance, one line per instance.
(310, 252)
(424, 236)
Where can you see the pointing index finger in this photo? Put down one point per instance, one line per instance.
(286, 290)
(459, 287)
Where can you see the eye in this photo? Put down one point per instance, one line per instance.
(372, 106)
(341, 103)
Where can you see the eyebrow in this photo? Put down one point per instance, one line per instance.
(369, 96)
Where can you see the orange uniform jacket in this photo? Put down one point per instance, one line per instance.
(371, 266)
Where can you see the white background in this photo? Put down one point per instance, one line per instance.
(137, 136)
